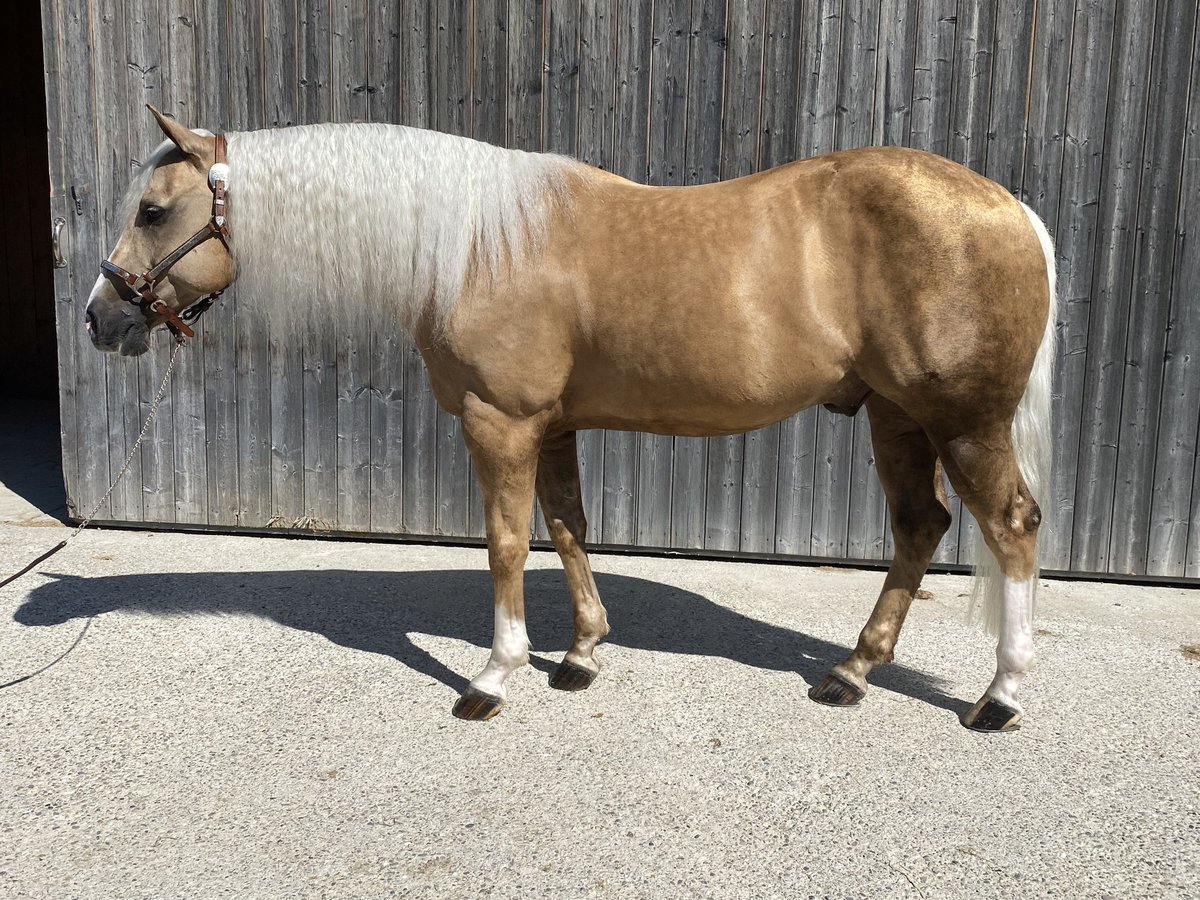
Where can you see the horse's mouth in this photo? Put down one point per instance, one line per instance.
(134, 341)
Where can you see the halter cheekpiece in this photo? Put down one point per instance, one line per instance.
(142, 285)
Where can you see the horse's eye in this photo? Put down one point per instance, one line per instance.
(152, 214)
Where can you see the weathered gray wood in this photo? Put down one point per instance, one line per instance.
(61, 108)
(1116, 249)
(113, 171)
(1174, 545)
(1080, 109)
(895, 73)
(526, 61)
(1083, 153)
(1149, 299)
(937, 24)
(1008, 90)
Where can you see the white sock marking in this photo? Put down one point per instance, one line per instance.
(510, 651)
(1014, 650)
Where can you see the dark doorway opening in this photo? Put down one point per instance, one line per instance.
(30, 453)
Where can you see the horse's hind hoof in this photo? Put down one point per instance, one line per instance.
(991, 715)
(833, 691)
(570, 677)
(476, 706)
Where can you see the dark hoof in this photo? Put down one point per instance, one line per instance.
(991, 716)
(833, 691)
(476, 706)
(570, 677)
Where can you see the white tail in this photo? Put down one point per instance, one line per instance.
(1031, 440)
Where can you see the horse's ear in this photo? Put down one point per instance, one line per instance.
(188, 142)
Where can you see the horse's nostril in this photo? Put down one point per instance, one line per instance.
(89, 321)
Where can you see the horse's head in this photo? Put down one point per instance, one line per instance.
(147, 280)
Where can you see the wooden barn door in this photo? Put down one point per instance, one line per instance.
(1086, 109)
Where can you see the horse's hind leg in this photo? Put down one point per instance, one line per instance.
(984, 471)
(504, 450)
(558, 491)
(912, 480)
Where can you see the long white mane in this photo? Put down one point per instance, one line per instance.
(332, 221)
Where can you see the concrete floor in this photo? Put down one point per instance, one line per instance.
(260, 717)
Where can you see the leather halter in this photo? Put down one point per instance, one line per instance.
(142, 285)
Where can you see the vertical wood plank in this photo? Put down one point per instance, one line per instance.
(1150, 297)
(68, 102)
(1116, 249)
(937, 24)
(113, 174)
(1174, 542)
(1078, 216)
(1008, 91)
(526, 62)
(895, 73)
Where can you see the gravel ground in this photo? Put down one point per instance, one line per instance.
(253, 717)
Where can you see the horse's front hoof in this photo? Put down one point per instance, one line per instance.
(476, 706)
(570, 677)
(834, 691)
(992, 716)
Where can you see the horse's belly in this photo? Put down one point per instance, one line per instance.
(662, 396)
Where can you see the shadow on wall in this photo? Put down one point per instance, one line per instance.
(376, 611)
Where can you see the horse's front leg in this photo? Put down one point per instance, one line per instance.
(504, 449)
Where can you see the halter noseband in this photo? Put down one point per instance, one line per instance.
(142, 285)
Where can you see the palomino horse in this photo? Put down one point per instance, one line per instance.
(547, 296)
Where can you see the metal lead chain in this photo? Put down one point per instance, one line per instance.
(87, 520)
(158, 398)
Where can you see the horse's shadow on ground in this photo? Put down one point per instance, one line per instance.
(377, 611)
